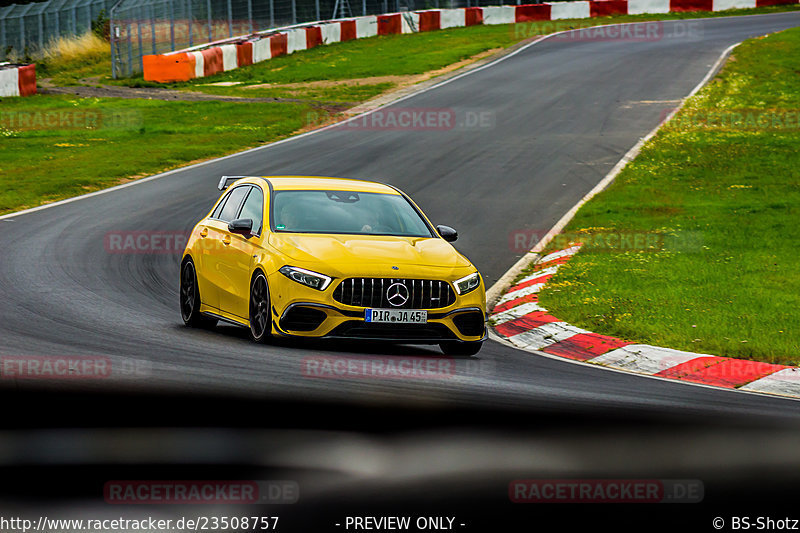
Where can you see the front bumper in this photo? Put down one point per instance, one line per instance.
(465, 324)
(300, 311)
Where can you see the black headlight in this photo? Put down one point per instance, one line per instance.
(305, 277)
(467, 283)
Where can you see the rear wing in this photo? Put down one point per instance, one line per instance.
(225, 181)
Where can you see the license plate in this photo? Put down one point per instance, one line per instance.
(396, 316)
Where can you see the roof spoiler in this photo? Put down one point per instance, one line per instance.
(225, 181)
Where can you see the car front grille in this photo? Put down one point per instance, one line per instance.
(373, 292)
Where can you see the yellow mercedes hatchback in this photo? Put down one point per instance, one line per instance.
(298, 256)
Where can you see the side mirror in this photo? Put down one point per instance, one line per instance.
(242, 226)
(447, 233)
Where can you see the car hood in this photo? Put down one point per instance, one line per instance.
(347, 251)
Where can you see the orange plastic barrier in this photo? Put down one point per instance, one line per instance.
(168, 68)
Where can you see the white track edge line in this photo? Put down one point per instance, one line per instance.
(523, 261)
(530, 256)
(325, 128)
(266, 146)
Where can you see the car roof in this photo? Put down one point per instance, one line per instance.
(305, 183)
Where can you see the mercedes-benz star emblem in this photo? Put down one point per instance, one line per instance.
(397, 294)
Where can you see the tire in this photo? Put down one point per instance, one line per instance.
(260, 309)
(190, 298)
(461, 348)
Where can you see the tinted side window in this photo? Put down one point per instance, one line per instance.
(253, 208)
(220, 205)
(232, 203)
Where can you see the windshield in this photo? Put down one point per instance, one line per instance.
(359, 213)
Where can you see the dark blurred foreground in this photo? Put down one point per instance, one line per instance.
(60, 449)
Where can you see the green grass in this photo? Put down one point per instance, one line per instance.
(389, 55)
(394, 55)
(47, 164)
(726, 202)
(52, 163)
(340, 93)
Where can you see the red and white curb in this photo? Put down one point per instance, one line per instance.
(221, 56)
(519, 319)
(17, 80)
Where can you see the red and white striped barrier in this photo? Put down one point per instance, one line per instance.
(189, 64)
(520, 319)
(570, 10)
(641, 7)
(17, 80)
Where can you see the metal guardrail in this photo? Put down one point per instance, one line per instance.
(26, 29)
(143, 27)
